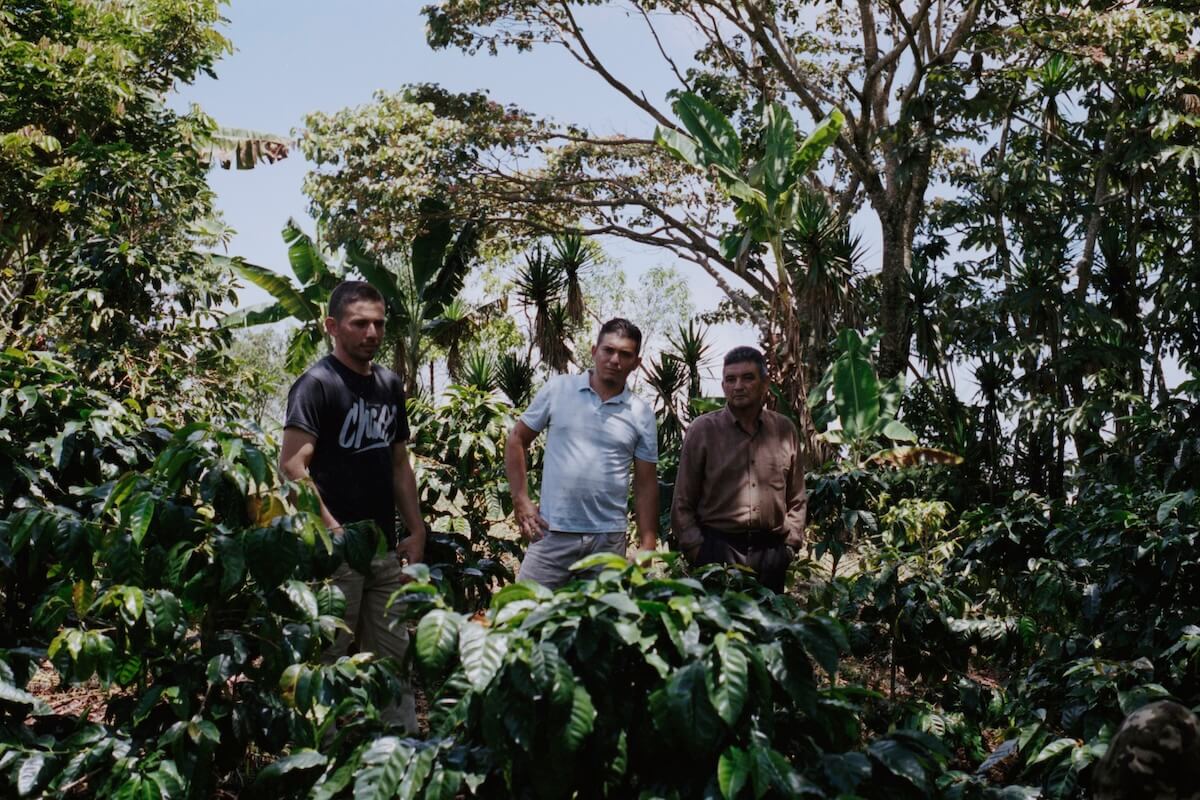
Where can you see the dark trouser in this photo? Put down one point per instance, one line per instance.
(764, 552)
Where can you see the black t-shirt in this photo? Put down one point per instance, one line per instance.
(356, 419)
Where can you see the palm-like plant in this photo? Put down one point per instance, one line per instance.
(457, 324)
(514, 377)
(667, 376)
(479, 371)
(306, 302)
(539, 285)
(690, 345)
(417, 290)
(573, 256)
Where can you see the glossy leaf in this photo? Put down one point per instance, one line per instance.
(715, 135)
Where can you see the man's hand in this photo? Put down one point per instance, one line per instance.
(410, 550)
(530, 522)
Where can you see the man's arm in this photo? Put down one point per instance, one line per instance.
(797, 499)
(529, 518)
(404, 485)
(645, 502)
(688, 480)
(294, 457)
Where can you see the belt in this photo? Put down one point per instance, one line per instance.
(755, 538)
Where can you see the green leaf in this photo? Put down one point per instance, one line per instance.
(780, 147)
(683, 708)
(165, 616)
(384, 765)
(900, 761)
(733, 770)
(303, 598)
(621, 602)
(552, 674)
(712, 131)
(1054, 750)
(263, 314)
(279, 287)
(437, 638)
(444, 784)
(733, 681)
(599, 560)
(289, 773)
(845, 771)
(481, 653)
(816, 143)
(583, 718)
(429, 246)
(898, 431)
(681, 146)
(140, 512)
(856, 395)
(14, 694)
(303, 254)
(29, 776)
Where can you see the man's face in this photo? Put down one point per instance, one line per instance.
(745, 388)
(359, 332)
(615, 357)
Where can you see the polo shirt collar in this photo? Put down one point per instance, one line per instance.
(585, 383)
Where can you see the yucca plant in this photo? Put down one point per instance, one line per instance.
(458, 323)
(573, 255)
(514, 377)
(690, 345)
(667, 376)
(479, 371)
(540, 285)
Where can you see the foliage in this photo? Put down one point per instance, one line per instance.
(307, 303)
(181, 584)
(737, 705)
(104, 195)
(460, 469)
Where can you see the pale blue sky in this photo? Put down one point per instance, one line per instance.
(296, 57)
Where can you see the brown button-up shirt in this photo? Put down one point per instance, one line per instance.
(736, 480)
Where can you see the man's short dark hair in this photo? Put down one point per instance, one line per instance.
(619, 326)
(348, 292)
(743, 355)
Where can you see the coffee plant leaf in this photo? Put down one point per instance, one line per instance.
(482, 653)
(733, 770)
(733, 680)
(437, 638)
(583, 719)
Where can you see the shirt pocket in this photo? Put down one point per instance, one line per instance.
(776, 477)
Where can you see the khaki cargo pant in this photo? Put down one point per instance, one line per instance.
(377, 628)
(547, 561)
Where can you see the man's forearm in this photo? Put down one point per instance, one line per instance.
(647, 523)
(646, 504)
(516, 469)
(300, 475)
(409, 504)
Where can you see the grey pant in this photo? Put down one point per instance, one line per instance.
(547, 560)
(376, 628)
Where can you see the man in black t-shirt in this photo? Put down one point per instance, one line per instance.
(346, 431)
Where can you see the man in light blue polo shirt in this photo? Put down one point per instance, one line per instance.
(596, 429)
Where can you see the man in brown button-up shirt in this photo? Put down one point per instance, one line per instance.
(739, 495)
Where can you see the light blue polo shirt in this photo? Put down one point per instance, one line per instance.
(590, 448)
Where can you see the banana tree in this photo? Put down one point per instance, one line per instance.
(768, 196)
(245, 149)
(866, 408)
(305, 301)
(419, 289)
